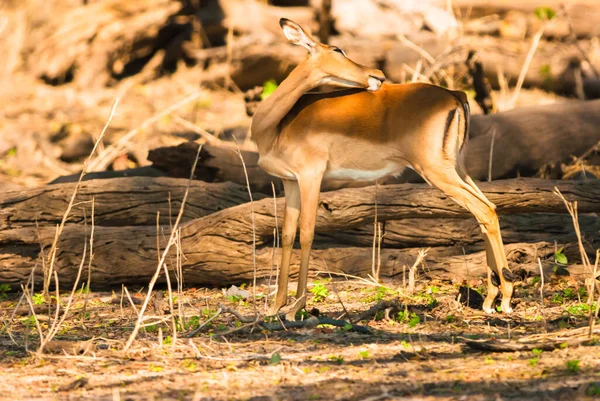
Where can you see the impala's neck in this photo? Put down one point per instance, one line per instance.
(273, 109)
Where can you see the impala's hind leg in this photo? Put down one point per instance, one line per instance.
(466, 194)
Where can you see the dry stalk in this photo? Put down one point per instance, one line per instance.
(170, 242)
(111, 152)
(274, 264)
(491, 155)
(137, 313)
(590, 282)
(173, 322)
(534, 45)
(413, 270)
(89, 277)
(32, 309)
(60, 227)
(239, 153)
(542, 295)
(210, 138)
(337, 294)
(56, 325)
(179, 277)
(374, 270)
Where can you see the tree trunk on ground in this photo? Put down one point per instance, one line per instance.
(128, 201)
(218, 247)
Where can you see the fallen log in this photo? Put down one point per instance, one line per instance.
(118, 202)
(412, 233)
(582, 14)
(138, 201)
(218, 247)
(525, 139)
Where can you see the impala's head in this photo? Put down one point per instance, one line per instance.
(331, 63)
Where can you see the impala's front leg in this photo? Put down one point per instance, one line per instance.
(310, 187)
(288, 236)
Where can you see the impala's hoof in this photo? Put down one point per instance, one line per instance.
(489, 311)
(506, 308)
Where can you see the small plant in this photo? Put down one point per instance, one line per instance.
(580, 309)
(544, 13)
(168, 340)
(302, 315)
(489, 360)
(573, 366)
(432, 289)
(412, 318)
(337, 359)
(38, 299)
(538, 353)
(235, 298)
(560, 258)
(535, 280)
(190, 365)
(4, 290)
(29, 322)
(364, 354)
(192, 323)
(593, 390)
(450, 319)
(557, 299)
(320, 292)
(154, 368)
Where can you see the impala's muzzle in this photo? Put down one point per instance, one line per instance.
(375, 81)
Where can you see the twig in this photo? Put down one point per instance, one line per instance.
(413, 269)
(534, 45)
(172, 235)
(112, 151)
(211, 139)
(337, 293)
(312, 321)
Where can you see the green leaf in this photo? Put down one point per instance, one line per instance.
(275, 359)
(573, 365)
(560, 257)
(268, 88)
(544, 13)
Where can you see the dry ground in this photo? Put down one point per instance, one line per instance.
(420, 353)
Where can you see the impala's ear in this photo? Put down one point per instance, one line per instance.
(297, 35)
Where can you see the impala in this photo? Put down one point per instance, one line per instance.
(365, 133)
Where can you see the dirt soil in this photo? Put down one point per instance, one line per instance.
(419, 352)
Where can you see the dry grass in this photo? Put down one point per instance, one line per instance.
(421, 347)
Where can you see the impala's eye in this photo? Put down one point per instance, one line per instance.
(337, 49)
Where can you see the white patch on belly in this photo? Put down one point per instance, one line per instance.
(362, 175)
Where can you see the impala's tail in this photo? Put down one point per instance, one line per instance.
(457, 129)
